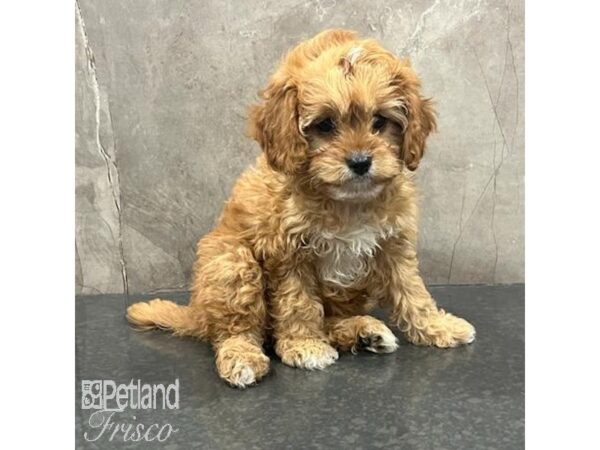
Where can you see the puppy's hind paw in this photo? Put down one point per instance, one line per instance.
(310, 354)
(381, 340)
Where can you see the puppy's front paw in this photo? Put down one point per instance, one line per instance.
(443, 330)
(241, 363)
(308, 354)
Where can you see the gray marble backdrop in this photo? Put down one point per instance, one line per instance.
(162, 88)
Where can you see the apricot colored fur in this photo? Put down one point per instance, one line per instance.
(304, 248)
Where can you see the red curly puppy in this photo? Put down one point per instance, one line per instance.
(324, 226)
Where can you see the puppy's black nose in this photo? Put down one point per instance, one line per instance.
(359, 163)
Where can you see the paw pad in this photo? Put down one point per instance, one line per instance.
(378, 342)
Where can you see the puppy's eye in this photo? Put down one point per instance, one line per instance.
(379, 122)
(325, 126)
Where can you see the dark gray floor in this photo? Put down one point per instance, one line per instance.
(417, 398)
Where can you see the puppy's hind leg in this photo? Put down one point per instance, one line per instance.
(228, 292)
(360, 333)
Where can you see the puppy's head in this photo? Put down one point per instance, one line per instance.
(344, 115)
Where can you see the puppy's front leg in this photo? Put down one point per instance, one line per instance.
(413, 308)
(297, 314)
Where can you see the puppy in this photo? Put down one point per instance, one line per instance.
(324, 226)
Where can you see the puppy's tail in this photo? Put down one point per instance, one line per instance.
(166, 315)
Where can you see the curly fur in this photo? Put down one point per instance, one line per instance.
(305, 246)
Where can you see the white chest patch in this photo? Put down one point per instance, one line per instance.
(343, 256)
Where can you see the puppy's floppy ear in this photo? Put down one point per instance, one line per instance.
(274, 125)
(421, 116)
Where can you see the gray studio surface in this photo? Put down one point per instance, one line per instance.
(416, 398)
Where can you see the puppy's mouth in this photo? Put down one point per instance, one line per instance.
(356, 189)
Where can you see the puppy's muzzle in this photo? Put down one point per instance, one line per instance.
(359, 163)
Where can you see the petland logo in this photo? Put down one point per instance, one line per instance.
(110, 399)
